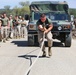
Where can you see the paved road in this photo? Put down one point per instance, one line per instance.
(16, 57)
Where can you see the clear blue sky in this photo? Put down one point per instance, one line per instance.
(13, 3)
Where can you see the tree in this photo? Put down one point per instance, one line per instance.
(7, 7)
(16, 10)
(24, 3)
(73, 12)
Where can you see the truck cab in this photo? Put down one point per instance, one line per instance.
(58, 12)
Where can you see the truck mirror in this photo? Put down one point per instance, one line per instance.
(72, 18)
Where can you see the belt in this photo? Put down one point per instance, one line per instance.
(4, 25)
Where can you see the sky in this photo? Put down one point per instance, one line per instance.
(13, 3)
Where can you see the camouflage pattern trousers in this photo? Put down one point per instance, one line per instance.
(48, 36)
(4, 32)
(23, 31)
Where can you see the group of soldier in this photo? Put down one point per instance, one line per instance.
(18, 28)
(12, 27)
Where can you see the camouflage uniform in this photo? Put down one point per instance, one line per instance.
(0, 30)
(48, 35)
(19, 28)
(23, 28)
(11, 27)
(4, 29)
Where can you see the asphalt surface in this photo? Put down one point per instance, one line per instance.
(16, 57)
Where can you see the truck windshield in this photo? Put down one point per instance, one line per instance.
(58, 16)
(52, 16)
(49, 7)
(37, 15)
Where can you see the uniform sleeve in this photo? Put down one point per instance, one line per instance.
(7, 19)
(19, 21)
(50, 22)
(37, 23)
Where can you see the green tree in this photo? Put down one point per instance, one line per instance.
(73, 12)
(16, 10)
(24, 3)
(7, 7)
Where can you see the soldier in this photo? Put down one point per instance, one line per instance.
(45, 26)
(75, 23)
(11, 26)
(23, 28)
(4, 29)
(0, 30)
(17, 26)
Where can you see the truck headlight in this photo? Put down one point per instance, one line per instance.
(32, 27)
(67, 26)
(59, 28)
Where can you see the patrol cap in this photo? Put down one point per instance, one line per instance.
(42, 15)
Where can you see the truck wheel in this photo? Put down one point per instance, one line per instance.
(36, 40)
(33, 40)
(30, 41)
(68, 39)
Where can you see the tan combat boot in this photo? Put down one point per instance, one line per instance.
(44, 54)
(49, 51)
(4, 40)
(43, 50)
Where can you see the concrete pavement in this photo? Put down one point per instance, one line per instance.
(16, 57)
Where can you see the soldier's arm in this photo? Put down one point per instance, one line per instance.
(18, 21)
(50, 26)
(40, 27)
(8, 22)
(24, 23)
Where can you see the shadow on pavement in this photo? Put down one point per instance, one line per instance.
(25, 44)
(55, 44)
(31, 56)
(28, 56)
(20, 43)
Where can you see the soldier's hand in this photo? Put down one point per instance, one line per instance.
(42, 28)
(46, 31)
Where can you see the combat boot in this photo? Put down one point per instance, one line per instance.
(49, 51)
(7, 39)
(44, 54)
(43, 50)
(4, 41)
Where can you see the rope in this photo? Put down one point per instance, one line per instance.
(26, 73)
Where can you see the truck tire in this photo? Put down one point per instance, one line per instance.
(33, 41)
(30, 41)
(36, 40)
(68, 39)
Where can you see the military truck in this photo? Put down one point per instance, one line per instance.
(58, 12)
